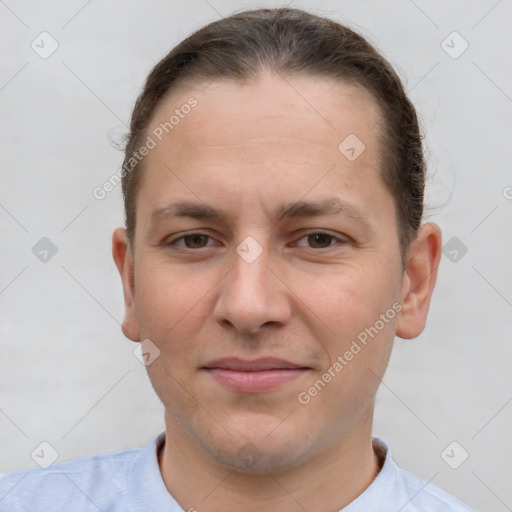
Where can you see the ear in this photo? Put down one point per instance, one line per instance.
(123, 257)
(419, 279)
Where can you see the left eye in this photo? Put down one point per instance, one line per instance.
(317, 240)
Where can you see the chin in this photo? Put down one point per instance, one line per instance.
(255, 459)
(257, 453)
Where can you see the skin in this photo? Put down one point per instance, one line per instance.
(246, 151)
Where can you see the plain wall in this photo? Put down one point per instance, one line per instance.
(67, 374)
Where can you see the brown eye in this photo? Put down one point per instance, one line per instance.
(195, 241)
(320, 240)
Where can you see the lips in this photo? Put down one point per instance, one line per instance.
(257, 365)
(254, 376)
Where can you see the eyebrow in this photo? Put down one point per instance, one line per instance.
(297, 209)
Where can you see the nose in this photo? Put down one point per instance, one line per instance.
(252, 297)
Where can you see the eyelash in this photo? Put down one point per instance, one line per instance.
(334, 239)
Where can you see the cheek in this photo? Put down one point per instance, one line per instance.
(171, 307)
(166, 292)
(345, 317)
(349, 300)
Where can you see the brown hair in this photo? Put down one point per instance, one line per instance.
(290, 42)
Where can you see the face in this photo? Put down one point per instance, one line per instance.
(267, 268)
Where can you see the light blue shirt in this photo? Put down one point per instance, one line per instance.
(130, 481)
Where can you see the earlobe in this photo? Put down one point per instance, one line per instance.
(124, 261)
(419, 280)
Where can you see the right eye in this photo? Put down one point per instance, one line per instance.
(192, 241)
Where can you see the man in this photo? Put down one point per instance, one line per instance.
(272, 251)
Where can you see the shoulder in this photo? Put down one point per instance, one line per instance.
(79, 484)
(395, 489)
(414, 493)
(424, 495)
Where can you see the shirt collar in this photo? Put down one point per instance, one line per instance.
(148, 491)
(386, 491)
(145, 484)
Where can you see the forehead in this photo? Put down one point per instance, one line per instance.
(307, 109)
(273, 137)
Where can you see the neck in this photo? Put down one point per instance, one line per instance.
(337, 476)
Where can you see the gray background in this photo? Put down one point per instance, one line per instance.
(67, 374)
